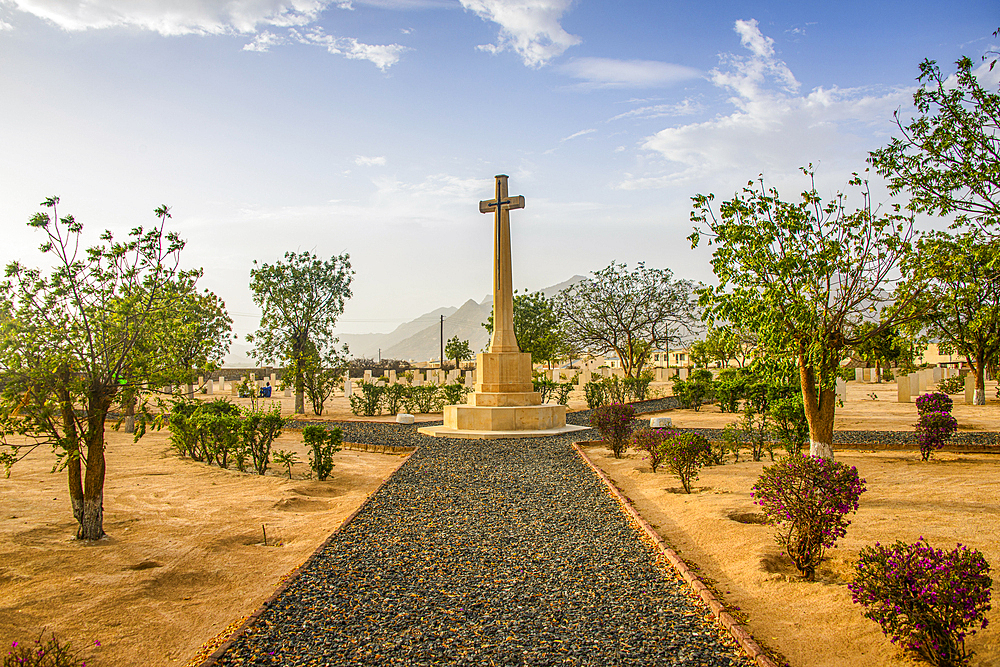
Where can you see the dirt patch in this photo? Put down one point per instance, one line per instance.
(952, 499)
(184, 557)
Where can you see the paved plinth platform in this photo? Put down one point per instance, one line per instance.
(445, 432)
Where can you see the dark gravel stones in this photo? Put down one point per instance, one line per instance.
(485, 552)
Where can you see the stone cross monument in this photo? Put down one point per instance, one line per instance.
(504, 403)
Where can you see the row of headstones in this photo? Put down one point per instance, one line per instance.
(908, 387)
(220, 386)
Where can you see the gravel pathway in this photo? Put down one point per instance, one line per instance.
(498, 552)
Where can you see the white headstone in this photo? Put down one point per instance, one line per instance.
(403, 418)
(288, 392)
(347, 386)
(368, 376)
(914, 384)
(452, 375)
(470, 379)
(970, 388)
(859, 375)
(842, 389)
(683, 373)
(938, 375)
(903, 389)
(418, 378)
(392, 377)
(210, 388)
(660, 422)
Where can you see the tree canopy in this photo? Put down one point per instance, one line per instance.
(458, 350)
(948, 157)
(300, 299)
(808, 276)
(628, 313)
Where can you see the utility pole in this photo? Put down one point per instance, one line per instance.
(442, 343)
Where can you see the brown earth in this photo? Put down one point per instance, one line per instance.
(954, 498)
(184, 557)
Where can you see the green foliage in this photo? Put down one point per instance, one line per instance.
(593, 391)
(694, 391)
(789, 424)
(320, 372)
(285, 458)
(323, 445)
(423, 399)
(454, 393)
(536, 327)
(730, 440)
(626, 313)
(614, 423)
(952, 385)
(257, 431)
(685, 455)
(653, 442)
(366, 398)
(458, 350)
(394, 397)
(82, 337)
(300, 300)
(730, 387)
(946, 159)
(806, 275)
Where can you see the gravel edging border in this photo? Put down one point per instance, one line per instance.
(739, 631)
(286, 581)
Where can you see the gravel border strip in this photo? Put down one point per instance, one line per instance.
(739, 631)
(286, 581)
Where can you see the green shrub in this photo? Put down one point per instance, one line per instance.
(637, 389)
(423, 399)
(933, 430)
(730, 440)
(924, 599)
(694, 391)
(454, 393)
(287, 459)
(953, 385)
(394, 397)
(594, 393)
(808, 498)
(685, 454)
(257, 432)
(789, 424)
(730, 388)
(367, 399)
(323, 444)
(614, 423)
(934, 402)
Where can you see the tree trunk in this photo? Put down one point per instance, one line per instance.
(979, 397)
(92, 526)
(129, 426)
(300, 392)
(819, 403)
(72, 446)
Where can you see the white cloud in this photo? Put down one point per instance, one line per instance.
(214, 17)
(382, 55)
(686, 107)
(611, 73)
(363, 161)
(773, 129)
(528, 27)
(5, 26)
(578, 134)
(263, 42)
(174, 17)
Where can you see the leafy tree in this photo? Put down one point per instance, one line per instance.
(458, 350)
(536, 327)
(320, 371)
(628, 313)
(806, 276)
(963, 296)
(884, 349)
(301, 299)
(73, 340)
(200, 329)
(947, 157)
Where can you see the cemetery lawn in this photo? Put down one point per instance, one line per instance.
(184, 557)
(955, 497)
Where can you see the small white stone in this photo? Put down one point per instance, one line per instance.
(403, 418)
(660, 422)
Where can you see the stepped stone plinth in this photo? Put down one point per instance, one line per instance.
(504, 404)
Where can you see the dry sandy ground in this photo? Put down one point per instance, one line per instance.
(953, 498)
(184, 557)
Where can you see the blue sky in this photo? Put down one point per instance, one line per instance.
(375, 126)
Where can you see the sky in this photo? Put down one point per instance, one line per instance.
(374, 127)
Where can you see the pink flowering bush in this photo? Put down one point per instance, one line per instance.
(685, 454)
(50, 653)
(934, 402)
(614, 423)
(808, 498)
(651, 441)
(933, 430)
(925, 599)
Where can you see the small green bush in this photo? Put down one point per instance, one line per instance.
(454, 393)
(49, 653)
(614, 423)
(323, 444)
(367, 399)
(257, 432)
(394, 397)
(934, 402)
(285, 458)
(933, 430)
(651, 441)
(953, 385)
(423, 399)
(594, 393)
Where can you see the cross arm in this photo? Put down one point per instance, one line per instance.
(490, 205)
